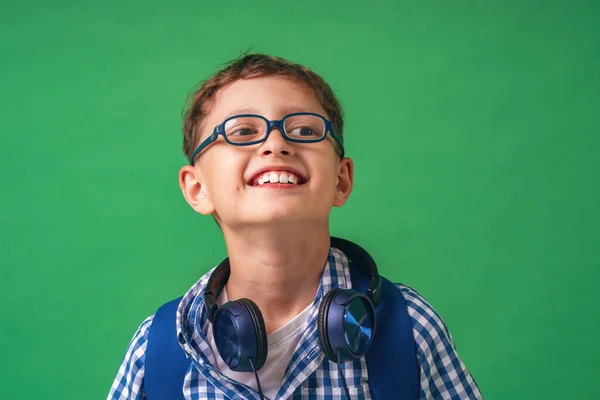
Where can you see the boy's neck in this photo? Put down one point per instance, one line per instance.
(279, 270)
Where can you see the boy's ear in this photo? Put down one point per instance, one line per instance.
(194, 191)
(345, 181)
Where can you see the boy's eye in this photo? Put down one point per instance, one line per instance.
(242, 132)
(304, 131)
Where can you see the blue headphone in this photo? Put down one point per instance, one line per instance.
(346, 322)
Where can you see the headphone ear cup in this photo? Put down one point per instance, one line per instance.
(322, 324)
(262, 346)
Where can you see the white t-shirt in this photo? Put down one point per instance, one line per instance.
(282, 344)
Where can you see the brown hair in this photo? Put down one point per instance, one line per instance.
(198, 104)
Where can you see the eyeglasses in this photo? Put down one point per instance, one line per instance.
(249, 129)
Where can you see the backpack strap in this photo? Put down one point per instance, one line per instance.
(166, 363)
(394, 372)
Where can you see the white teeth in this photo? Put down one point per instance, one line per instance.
(277, 177)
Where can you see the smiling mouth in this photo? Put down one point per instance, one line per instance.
(277, 179)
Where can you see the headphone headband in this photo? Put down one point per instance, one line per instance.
(363, 259)
(353, 252)
(215, 285)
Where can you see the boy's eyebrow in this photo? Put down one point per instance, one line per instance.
(248, 110)
(251, 110)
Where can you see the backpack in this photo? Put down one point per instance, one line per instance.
(391, 359)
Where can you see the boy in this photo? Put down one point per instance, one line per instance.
(265, 142)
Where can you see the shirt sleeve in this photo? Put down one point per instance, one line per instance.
(128, 384)
(443, 374)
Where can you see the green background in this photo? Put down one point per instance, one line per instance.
(474, 126)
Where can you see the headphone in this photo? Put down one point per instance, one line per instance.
(346, 321)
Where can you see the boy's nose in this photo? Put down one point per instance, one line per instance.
(276, 144)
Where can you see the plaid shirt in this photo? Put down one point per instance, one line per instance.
(309, 374)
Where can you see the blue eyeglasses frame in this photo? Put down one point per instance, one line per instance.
(279, 124)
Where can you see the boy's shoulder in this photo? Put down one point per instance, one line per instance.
(427, 323)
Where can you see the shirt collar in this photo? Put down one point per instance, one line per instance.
(192, 319)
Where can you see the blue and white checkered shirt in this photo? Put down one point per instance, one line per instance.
(309, 374)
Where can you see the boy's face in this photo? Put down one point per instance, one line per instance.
(225, 178)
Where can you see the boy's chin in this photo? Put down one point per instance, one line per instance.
(274, 219)
(279, 213)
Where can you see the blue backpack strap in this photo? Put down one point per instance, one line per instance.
(166, 363)
(394, 372)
